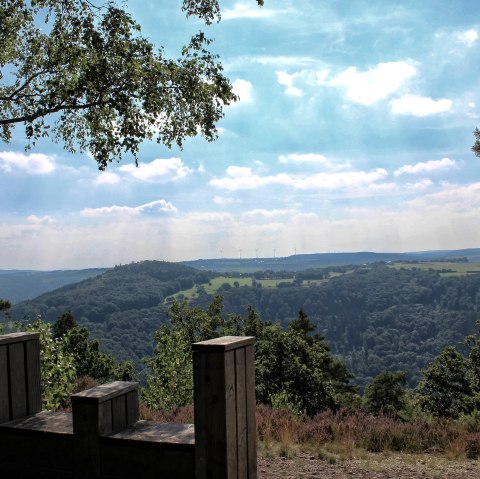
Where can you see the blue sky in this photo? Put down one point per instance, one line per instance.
(353, 133)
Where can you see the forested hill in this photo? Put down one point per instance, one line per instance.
(17, 285)
(122, 307)
(377, 317)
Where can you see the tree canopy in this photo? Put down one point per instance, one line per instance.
(81, 73)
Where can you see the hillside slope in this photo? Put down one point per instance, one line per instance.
(379, 317)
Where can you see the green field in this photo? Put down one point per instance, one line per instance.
(213, 286)
(445, 268)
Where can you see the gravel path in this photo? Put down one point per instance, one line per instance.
(375, 467)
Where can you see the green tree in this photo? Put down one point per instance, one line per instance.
(445, 389)
(292, 366)
(57, 366)
(170, 379)
(4, 307)
(88, 359)
(476, 145)
(385, 394)
(80, 72)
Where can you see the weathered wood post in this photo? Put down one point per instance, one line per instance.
(101, 410)
(20, 388)
(224, 397)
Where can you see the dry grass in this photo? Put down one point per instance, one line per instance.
(345, 436)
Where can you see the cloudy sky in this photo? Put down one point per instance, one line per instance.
(353, 133)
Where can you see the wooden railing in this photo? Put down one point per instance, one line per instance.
(103, 437)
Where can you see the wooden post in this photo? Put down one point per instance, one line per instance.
(224, 395)
(20, 388)
(101, 410)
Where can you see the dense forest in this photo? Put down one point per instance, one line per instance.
(122, 307)
(374, 317)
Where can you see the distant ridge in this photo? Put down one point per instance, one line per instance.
(19, 285)
(300, 262)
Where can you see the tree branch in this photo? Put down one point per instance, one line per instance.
(25, 85)
(47, 111)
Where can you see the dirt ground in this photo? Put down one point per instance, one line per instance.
(374, 467)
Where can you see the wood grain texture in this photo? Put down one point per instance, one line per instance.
(119, 413)
(250, 409)
(133, 413)
(17, 337)
(18, 389)
(4, 380)
(200, 381)
(86, 446)
(224, 343)
(34, 387)
(241, 409)
(105, 417)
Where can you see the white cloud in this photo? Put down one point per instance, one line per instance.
(41, 220)
(286, 79)
(158, 170)
(373, 85)
(452, 198)
(469, 37)
(247, 10)
(427, 167)
(153, 208)
(243, 89)
(446, 219)
(224, 200)
(107, 178)
(420, 185)
(262, 213)
(32, 164)
(419, 106)
(239, 178)
(313, 159)
(209, 217)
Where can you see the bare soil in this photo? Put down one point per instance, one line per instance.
(304, 466)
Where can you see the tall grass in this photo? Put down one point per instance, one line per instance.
(346, 434)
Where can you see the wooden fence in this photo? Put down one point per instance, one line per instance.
(104, 438)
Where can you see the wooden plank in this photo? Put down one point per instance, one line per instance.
(104, 392)
(119, 413)
(4, 401)
(34, 400)
(132, 459)
(241, 403)
(224, 343)
(230, 415)
(17, 337)
(18, 392)
(250, 409)
(105, 419)
(86, 446)
(133, 413)
(216, 449)
(200, 378)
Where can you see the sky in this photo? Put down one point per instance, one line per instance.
(352, 133)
